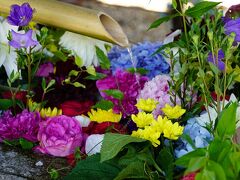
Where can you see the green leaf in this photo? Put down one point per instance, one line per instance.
(96, 77)
(91, 70)
(91, 168)
(159, 21)
(78, 84)
(141, 71)
(78, 61)
(217, 169)
(196, 163)
(113, 144)
(166, 162)
(25, 144)
(205, 175)
(73, 73)
(115, 93)
(103, 59)
(104, 104)
(214, 68)
(44, 83)
(200, 8)
(174, 4)
(184, 160)
(5, 104)
(61, 55)
(51, 83)
(54, 174)
(227, 121)
(135, 170)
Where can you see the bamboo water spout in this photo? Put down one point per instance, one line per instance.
(73, 18)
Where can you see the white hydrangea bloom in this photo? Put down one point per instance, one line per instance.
(83, 47)
(8, 56)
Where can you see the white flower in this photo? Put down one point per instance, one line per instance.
(94, 144)
(83, 120)
(83, 47)
(8, 56)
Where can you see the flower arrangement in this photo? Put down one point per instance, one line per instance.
(162, 111)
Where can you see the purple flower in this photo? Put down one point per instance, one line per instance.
(45, 69)
(20, 15)
(233, 26)
(128, 84)
(24, 125)
(218, 62)
(22, 40)
(59, 136)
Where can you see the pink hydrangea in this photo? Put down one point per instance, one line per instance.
(127, 83)
(158, 89)
(59, 136)
(24, 125)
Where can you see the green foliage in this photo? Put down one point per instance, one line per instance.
(104, 104)
(25, 144)
(159, 21)
(115, 93)
(92, 168)
(141, 71)
(103, 59)
(5, 104)
(96, 77)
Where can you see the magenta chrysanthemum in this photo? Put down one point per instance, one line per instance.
(129, 84)
(24, 125)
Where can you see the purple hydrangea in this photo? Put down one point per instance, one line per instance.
(24, 125)
(233, 26)
(22, 40)
(127, 83)
(20, 15)
(143, 55)
(199, 135)
(218, 62)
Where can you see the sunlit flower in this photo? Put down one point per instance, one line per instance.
(8, 56)
(173, 112)
(22, 40)
(48, 112)
(104, 116)
(142, 119)
(83, 47)
(147, 105)
(20, 15)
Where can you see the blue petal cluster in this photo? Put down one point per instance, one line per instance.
(142, 54)
(200, 137)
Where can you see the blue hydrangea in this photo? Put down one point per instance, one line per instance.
(142, 54)
(200, 137)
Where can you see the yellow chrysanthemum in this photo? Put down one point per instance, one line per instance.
(48, 112)
(104, 116)
(172, 131)
(148, 133)
(173, 112)
(147, 105)
(143, 119)
(159, 125)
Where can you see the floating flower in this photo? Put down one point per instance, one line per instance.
(48, 112)
(233, 26)
(8, 56)
(143, 55)
(20, 15)
(217, 62)
(59, 136)
(104, 116)
(24, 125)
(129, 84)
(22, 40)
(142, 119)
(173, 112)
(83, 47)
(147, 105)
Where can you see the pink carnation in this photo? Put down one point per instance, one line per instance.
(24, 125)
(59, 136)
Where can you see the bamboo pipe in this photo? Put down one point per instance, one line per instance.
(73, 18)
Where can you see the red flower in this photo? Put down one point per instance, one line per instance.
(71, 160)
(101, 128)
(190, 176)
(21, 95)
(74, 108)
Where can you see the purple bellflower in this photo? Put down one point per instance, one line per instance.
(20, 15)
(218, 62)
(22, 40)
(233, 26)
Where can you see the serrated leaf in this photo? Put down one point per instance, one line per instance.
(5, 104)
(104, 104)
(78, 84)
(91, 70)
(97, 77)
(113, 144)
(78, 61)
(115, 93)
(103, 59)
(91, 168)
(200, 8)
(159, 21)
